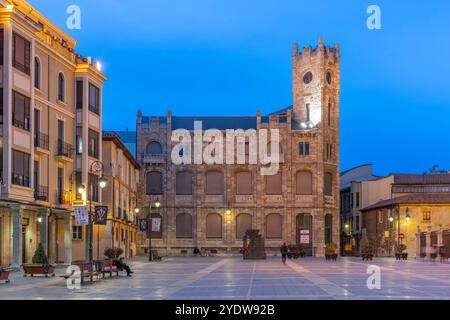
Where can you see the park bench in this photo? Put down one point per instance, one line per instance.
(38, 269)
(183, 252)
(156, 255)
(213, 252)
(4, 274)
(108, 266)
(86, 270)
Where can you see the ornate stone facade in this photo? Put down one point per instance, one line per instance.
(306, 196)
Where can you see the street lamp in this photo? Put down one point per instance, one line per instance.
(149, 228)
(95, 167)
(408, 216)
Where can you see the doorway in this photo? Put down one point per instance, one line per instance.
(304, 232)
(24, 244)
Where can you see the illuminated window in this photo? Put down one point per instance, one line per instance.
(426, 216)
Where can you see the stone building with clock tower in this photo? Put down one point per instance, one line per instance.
(211, 206)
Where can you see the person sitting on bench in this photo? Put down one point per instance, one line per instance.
(197, 251)
(121, 265)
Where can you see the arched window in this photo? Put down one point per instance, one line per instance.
(243, 223)
(303, 181)
(157, 234)
(244, 183)
(154, 182)
(61, 87)
(184, 183)
(214, 183)
(328, 228)
(274, 184)
(269, 148)
(274, 226)
(328, 184)
(213, 226)
(184, 226)
(37, 73)
(154, 147)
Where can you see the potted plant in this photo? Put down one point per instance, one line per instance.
(39, 265)
(401, 254)
(330, 251)
(367, 252)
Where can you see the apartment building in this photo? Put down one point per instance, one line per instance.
(352, 199)
(413, 211)
(50, 135)
(120, 196)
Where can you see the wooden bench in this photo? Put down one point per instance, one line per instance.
(4, 274)
(183, 252)
(86, 269)
(156, 255)
(38, 269)
(109, 266)
(213, 252)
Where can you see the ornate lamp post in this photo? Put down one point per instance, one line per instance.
(95, 167)
(149, 229)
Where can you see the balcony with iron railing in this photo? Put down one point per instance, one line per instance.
(41, 193)
(64, 149)
(21, 124)
(41, 140)
(20, 180)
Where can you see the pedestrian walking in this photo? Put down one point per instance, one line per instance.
(284, 251)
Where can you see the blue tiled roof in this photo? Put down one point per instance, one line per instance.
(220, 123)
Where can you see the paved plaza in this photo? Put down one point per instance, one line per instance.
(233, 278)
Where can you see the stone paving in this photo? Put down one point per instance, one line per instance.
(232, 278)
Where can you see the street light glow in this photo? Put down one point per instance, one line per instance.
(81, 189)
(102, 182)
(157, 203)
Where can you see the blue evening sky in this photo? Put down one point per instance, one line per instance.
(217, 57)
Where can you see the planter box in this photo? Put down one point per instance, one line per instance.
(367, 256)
(401, 256)
(38, 269)
(295, 255)
(331, 256)
(4, 276)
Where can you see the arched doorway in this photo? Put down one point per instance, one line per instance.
(304, 232)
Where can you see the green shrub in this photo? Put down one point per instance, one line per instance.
(39, 255)
(331, 248)
(401, 248)
(113, 253)
(296, 248)
(367, 249)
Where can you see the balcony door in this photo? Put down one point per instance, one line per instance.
(36, 177)
(61, 131)
(37, 123)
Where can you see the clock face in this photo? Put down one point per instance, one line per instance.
(328, 78)
(307, 78)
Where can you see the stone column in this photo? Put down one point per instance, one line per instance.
(44, 229)
(16, 214)
(418, 244)
(428, 244)
(67, 238)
